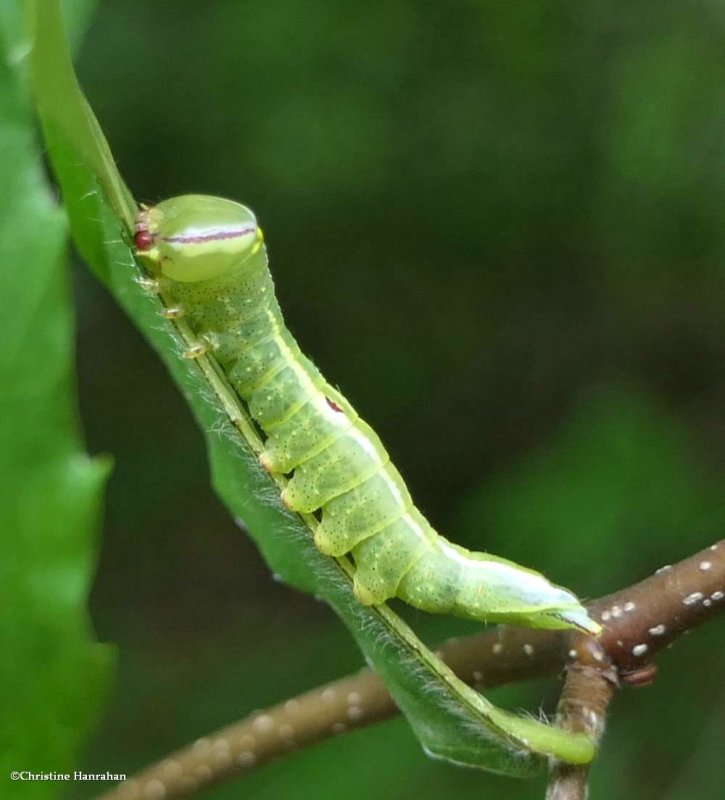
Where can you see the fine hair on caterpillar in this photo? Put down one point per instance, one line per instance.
(208, 259)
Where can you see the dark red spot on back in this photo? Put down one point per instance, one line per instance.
(333, 405)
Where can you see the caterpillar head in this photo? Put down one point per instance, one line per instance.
(196, 237)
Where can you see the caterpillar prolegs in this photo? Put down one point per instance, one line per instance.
(207, 256)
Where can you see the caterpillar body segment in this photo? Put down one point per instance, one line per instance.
(208, 257)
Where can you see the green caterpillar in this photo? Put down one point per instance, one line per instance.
(208, 259)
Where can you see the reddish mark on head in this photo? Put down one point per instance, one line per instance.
(142, 237)
(215, 236)
(333, 405)
(143, 240)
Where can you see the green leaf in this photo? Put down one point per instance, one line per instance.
(450, 719)
(53, 676)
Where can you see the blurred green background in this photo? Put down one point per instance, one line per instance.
(499, 227)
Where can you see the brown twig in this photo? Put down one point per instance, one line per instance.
(639, 622)
(588, 689)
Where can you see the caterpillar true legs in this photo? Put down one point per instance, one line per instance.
(208, 258)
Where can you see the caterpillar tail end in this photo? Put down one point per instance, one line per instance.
(581, 621)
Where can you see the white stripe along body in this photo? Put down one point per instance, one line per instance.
(208, 258)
